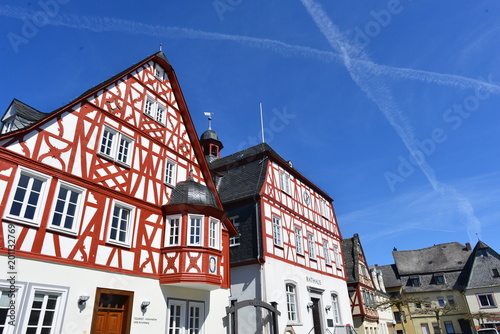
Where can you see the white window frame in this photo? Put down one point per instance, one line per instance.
(491, 300)
(130, 224)
(235, 239)
(115, 146)
(292, 302)
(299, 244)
(40, 204)
(337, 318)
(311, 247)
(160, 73)
(168, 232)
(170, 172)
(324, 208)
(190, 234)
(18, 296)
(77, 214)
(201, 306)
(285, 182)
(338, 261)
(214, 232)
(181, 318)
(155, 110)
(184, 318)
(277, 231)
(326, 250)
(61, 292)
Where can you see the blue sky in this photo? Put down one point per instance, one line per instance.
(390, 106)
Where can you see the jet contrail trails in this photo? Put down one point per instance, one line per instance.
(376, 89)
(109, 24)
(368, 75)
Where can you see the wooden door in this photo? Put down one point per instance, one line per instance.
(112, 313)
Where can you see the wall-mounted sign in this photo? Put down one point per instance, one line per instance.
(307, 197)
(212, 264)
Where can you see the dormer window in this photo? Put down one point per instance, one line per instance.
(8, 125)
(414, 281)
(160, 73)
(439, 278)
(495, 273)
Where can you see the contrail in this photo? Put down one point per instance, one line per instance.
(376, 89)
(109, 24)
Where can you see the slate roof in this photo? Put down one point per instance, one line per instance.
(438, 258)
(24, 115)
(482, 262)
(242, 174)
(350, 263)
(192, 193)
(241, 182)
(391, 275)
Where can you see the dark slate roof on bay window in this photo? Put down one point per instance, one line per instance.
(438, 258)
(484, 267)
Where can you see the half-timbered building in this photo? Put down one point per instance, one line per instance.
(362, 293)
(288, 252)
(111, 222)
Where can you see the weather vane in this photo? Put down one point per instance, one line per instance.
(209, 114)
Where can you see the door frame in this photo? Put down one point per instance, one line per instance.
(127, 312)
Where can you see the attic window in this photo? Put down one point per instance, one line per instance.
(439, 278)
(160, 73)
(495, 273)
(414, 281)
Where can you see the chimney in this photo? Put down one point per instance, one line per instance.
(467, 246)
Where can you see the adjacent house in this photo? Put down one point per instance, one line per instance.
(110, 220)
(402, 319)
(288, 253)
(482, 291)
(366, 291)
(432, 280)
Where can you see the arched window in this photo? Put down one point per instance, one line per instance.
(335, 308)
(291, 302)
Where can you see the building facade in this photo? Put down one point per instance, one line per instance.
(366, 291)
(288, 252)
(482, 291)
(111, 222)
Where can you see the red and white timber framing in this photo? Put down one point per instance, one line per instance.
(65, 147)
(300, 208)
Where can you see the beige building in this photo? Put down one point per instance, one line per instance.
(482, 291)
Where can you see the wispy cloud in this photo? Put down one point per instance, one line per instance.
(377, 89)
(369, 76)
(355, 55)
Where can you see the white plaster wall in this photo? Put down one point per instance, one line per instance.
(277, 273)
(85, 281)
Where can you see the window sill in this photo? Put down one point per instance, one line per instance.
(294, 323)
(119, 244)
(17, 220)
(59, 230)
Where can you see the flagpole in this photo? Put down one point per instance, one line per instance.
(261, 123)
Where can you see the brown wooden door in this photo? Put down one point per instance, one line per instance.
(112, 313)
(109, 322)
